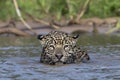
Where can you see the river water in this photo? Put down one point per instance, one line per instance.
(19, 60)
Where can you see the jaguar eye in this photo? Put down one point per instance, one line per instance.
(66, 47)
(51, 47)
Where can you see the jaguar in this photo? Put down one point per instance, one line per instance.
(60, 47)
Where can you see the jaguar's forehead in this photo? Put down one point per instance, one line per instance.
(58, 34)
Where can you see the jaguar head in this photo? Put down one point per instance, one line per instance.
(57, 48)
(54, 54)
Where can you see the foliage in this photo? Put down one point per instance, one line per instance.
(60, 9)
(104, 8)
(6, 10)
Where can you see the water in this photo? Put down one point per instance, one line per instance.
(19, 60)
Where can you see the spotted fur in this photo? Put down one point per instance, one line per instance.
(60, 47)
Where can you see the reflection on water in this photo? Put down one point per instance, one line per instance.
(19, 60)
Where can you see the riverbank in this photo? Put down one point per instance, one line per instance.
(89, 25)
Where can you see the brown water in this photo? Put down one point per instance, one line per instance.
(19, 60)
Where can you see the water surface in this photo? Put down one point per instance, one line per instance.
(19, 60)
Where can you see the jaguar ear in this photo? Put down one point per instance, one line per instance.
(40, 37)
(75, 36)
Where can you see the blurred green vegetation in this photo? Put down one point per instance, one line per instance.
(60, 9)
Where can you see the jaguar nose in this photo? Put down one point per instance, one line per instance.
(59, 56)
